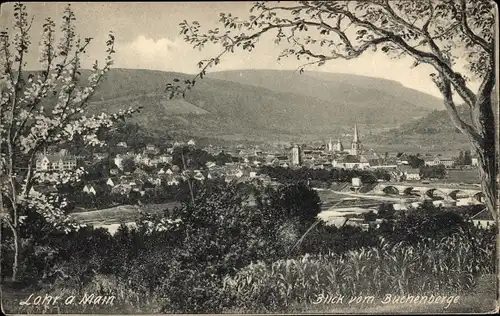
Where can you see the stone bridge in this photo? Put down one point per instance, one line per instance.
(432, 191)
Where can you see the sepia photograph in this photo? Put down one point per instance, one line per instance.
(238, 157)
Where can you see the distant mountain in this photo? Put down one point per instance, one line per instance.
(434, 132)
(337, 88)
(261, 103)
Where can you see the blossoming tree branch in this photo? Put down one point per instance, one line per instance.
(44, 108)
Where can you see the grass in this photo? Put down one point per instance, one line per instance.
(451, 266)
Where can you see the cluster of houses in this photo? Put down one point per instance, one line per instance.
(243, 167)
(334, 155)
(243, 164)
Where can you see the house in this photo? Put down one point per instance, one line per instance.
(436, 161)
(44, 189)
(412, 174)
(137, 184)
(178, 144)
(257, 163)
(317, 166)
(165, 158)
(142, 159)
(238, 173)
(118, 161)
(151, 149)
(191, 142)
(475, 161)
(245, 178)
(351, 162)
(55, 162)
(199, 176)
(230, 178)
(101, 156)
(122, 145)
(175, 169)
(402, 159)
(483, 219)
(121, 189)
(138, 172)
(112, 182)
(172, 180)
(156, 181)
(89, 189)
(210, 164)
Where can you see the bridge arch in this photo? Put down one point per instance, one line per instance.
(390, 190)
(408, 190)
(459, 194)
(435, 194)
(479, 196)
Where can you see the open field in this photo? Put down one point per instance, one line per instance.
(119, 214)
(469, 176)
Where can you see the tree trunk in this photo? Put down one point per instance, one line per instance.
(16, 256)
(483, 118)
(15, 263)
(487, 177)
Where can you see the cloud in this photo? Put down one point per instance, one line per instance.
(151, 48)
(148, 53)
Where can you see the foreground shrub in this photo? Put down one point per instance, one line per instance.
(443, 266)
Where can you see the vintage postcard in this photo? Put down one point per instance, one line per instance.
(318, 157)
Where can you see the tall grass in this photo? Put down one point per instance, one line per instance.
(450, 265)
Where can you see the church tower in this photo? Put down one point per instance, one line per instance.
(339, 147)
(296, 156)
(330, 145)
(356, 143)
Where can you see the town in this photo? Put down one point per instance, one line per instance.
(154, 174)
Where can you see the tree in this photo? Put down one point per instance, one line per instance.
(415, 161)
(222, 158)
(467, 158)
(386, 211)
(128, 165)
(430, 172)
(296, 202)
(44, 108)
(369, 216)
(460, 159)
(192, 158)
(438, 33)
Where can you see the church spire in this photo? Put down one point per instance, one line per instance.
(356, 144)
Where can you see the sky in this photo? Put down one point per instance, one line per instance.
(147, 37)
